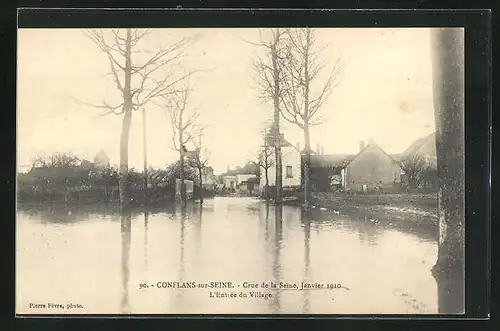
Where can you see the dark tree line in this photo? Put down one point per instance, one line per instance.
(63, 177)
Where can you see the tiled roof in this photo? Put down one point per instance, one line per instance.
(423, 146)
(342, 160)
(283, 141)
(332, 160)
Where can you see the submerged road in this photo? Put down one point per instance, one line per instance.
(230, 256)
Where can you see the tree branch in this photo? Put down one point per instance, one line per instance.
(110, 109)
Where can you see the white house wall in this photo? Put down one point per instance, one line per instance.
(290, 157)
(243, 178)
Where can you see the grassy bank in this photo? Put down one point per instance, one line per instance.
(412, 208)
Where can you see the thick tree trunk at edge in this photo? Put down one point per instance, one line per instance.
(448, 68)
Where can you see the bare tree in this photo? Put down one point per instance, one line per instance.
(145, 157)
(156, 176)
(265, 160)
(138, 84)
(268, 80)
(183, 127)
(59, 173)
(415, 168)
(198, 159)
(57, 160)
(303, 95)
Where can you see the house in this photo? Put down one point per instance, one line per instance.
(243, 178)
(189, 188)
(208, 178)
(229, 182)
(423, 149)
(371, 169)
(86, 164)
(101, 160)
(56, 180)
(249, 186)
(290, 163)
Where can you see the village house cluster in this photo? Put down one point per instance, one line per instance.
(369, 170)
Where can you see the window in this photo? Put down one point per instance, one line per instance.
(289, 172)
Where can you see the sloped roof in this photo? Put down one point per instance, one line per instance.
(425, 146)
(397, 157)
(86, 164)
(342, 160)
(101, 153)
(331, 160)
(303, 151)
(283, 142)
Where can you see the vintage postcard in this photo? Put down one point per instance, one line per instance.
(240, 171)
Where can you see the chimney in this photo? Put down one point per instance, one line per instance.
(317, 149)
(361, 145)
(322, 150)
(297, 145)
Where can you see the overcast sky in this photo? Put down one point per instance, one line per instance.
(384, 94)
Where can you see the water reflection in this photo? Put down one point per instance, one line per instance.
(183, 214)
(277, 268)
(146, 219)
(198, 229)
(126, 236)
(254, 242)
(307, 259)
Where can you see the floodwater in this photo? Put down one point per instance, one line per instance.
(97, 260)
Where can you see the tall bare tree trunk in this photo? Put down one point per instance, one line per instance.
(201, 183)
(125, 241)
(266, 169)
(448, 67)
(307, 138)
(145, 156)
(307, 169)
(200, 169)
(127, 120)
(277, 134)
(181, 155)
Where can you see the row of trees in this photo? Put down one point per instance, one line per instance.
(62, 175)
(293, 77)
(142, 78)
(289, 60)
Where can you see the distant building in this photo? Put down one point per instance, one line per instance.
(189, 188)
(229, 182)
(86, 164)
(290, 162)
(244, 178)
(101, 160)
(424, 148)
(208, 178)
(249, 186)
(369, 170)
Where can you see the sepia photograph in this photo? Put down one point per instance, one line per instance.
(291, 170)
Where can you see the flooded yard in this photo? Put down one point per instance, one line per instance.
(98, 261)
